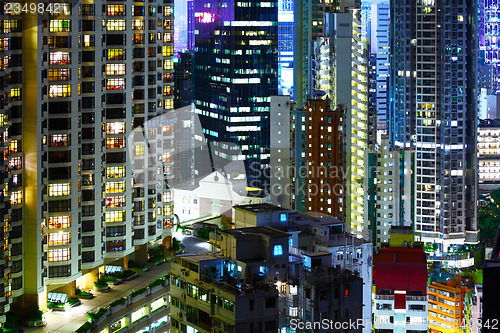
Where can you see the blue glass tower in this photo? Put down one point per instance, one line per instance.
(285, 46)
(234, 74)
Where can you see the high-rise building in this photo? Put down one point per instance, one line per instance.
(488, 157)
(235, 75)
(325, 177)
(433, 107)
(349, 64)
(389, 191)
(488, 45)
(285, 46)
(77, 199)
(190, 25)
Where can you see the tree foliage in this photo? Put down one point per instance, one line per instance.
(489, 215)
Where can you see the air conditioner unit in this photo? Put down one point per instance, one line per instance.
(183, 296)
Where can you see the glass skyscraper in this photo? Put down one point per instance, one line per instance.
(285, 46)
(235, 73)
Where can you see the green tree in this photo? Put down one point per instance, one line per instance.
(489, 215)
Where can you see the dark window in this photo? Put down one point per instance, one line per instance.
(88, 225)
(16, 215)
(59, 271)
(59, 124)
(88, 164)
(17, 249)
(88, 241)
(114, 231)
(88, 256)
(59, 206)
(88, 210)
(59, 156)
(115, 113)
(17, 266)
(88, 195)
(17, 283)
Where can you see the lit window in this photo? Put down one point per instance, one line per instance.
(116, 54)
(138, 24)
(168, 51)
(118, 201)
(59, 25)
(168, 210)
(283, 217)
(168, 64)
(115, 25)
(60, 58)
(115, 172)
(58, 140)
(115, 84)
(16, 197)
(60, 90)
(59, 255)
(115, 216)
(114, 143)
(167, 157)
(59, 74)
(169, 104)
(139, 150)
(14, 146)
(58, 222)
(278, 250)
(113, 187)
(115, 128)
(15, 94)
(59, 238)
(116, 10)
(115, 69)
(168, 196)
(59, 189)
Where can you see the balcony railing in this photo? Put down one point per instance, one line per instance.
(385, 297)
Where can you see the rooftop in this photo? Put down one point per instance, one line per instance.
(263, 230)
(261, 208)
(201, 257)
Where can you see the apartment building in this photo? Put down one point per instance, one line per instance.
(488, 157)
(389, 196)
(447, 304)
(316, 234)
(433, 108)
(234, 290)
(77, 199)
(400, 284)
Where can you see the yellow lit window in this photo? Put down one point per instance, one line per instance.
(166, 157)
(115, 172)
(115, 216)
(115, 25)
(168, 51)
(16, 197)
(168, 64)
(116, 54)
(167, 11)
(14, 146)
(88, 41)
(115, 128)
(138, 24)
(60, 58)
(59, 255)
(169, 104)
(58, 222)
(15, 94)
(59, 189)
(115, 69)
(60, 90)
(167, 24)
(59, 74)
(59, 140)
(59, 25)
(59, 238)
(139, 150)
(114, 143)
(115, 84)
(118, 201)
(116, 10)
(114, 187)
